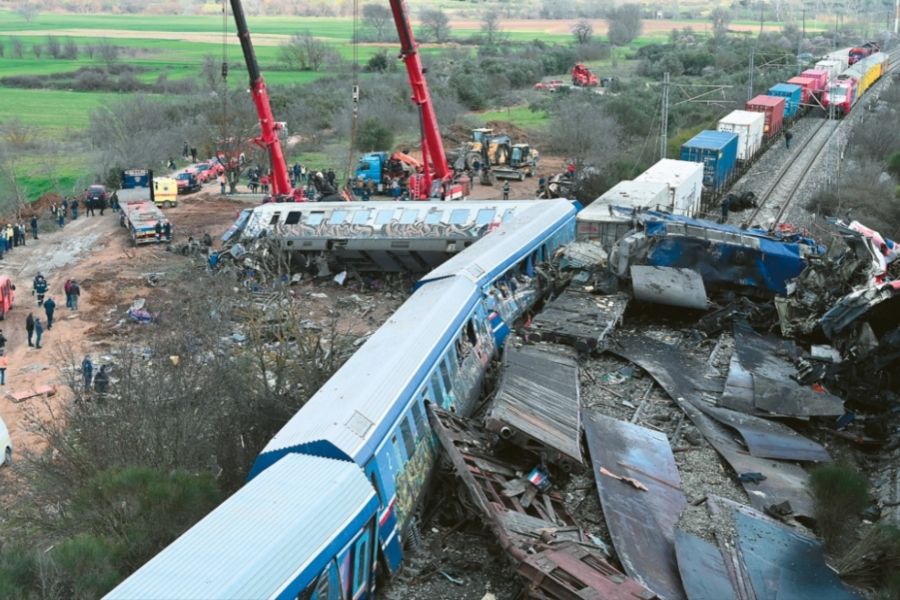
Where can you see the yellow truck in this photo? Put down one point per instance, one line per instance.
(165, 191)
(140, 184)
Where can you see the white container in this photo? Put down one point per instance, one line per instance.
(842, 56)
(834, 68)
(749, 128)
(601, 221)
(685, 182)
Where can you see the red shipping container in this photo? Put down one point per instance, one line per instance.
(773, 106)
(807, 84)
(820, 76)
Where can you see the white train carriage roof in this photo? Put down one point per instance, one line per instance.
(379, 214)
(351, 414)
(506, 246)
(270, 538)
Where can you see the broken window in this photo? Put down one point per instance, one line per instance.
(419, 415)
(470, 332)
(293, 217)
(409, 443)
(401, 460)
(436, 387)
(274, 219)
(445, 376)
(459, 216)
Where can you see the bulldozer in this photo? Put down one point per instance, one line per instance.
(497, 153)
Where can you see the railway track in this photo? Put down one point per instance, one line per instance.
(793, 173)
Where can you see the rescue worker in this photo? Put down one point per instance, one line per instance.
(4, 363)
(29, 327)
(167, 231)
(49, 308)
(61, 217)
(38, 332)
(223, 181)
(9, 236)
(89, 206)
(76, 292)
(74, 208)
(101, 381)
(87, 371)
(158, 229)
(40, 288)
(506, 190)
(788, 136)
(2, 340)
(34, 227)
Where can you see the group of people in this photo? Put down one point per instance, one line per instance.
(69, 208)
(100, 380)
(14, 235)
(33, 325)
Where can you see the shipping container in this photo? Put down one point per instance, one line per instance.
(842, 56)
(832, 67)
(684, 180)
(819, 76)
(717, 151)
(610, 217)
(807, 87)
(773, 109)
(792, 96)
(748, 125)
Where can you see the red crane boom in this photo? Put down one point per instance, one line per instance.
(281, 181)
(432, 146)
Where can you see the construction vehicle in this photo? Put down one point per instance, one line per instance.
(584, 77)
(497, 153)
(436, 179)
(282, 190)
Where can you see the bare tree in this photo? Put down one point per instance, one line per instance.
(37, 50)
(2, 49)
(17, 47)
(583, 31)
(54, 48)
(303, 52)
(624, 24)
(15, 196)
(720, 18)
(379, 18)
(436, 25)
(27, 10)
(580, 129)
(109, 53)
(491, 30)
(70, 49)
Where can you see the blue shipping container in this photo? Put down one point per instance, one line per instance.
(717, 150)
(792, 95)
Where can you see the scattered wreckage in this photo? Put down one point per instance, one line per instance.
(759, 412)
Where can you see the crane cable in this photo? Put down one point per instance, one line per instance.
(354, 98)
(224, 142)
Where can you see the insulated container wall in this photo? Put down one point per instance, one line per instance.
(684, 181)
(748, 125)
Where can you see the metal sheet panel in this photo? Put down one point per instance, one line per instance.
(641, 521)
(668, 285)
(538, 400)
(579, 319)
(702, 568)
(783, 564)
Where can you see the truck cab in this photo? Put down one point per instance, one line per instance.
(371, 167)
(165, 191)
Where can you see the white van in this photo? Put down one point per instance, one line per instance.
(5, 444)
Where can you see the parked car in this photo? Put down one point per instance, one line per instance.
(187, 183)
(209, 171)
(96, 194)
(5, 444)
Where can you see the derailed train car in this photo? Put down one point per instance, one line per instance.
(332, 495)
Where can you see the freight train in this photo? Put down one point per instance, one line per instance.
(332, 496)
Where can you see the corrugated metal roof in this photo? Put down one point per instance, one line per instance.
(671, 171)
(713, 140)
(354, 409)
(766, 100)
(259, 539)
(785, 88)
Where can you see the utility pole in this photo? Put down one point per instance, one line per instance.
(664, 123)
(750, 80)
(896, 16)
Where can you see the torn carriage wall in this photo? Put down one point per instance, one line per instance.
(722, 254)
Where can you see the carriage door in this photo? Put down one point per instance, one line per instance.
(363, 573)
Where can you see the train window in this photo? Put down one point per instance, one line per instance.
(409, 443)
(361, 217)
(445, 376)
(433, 217)
(274, 219)
(485, 216)
(419, 414)
(509, 214)
(408, 216)
(459, 216)
(338, 217)
(401, 460)
(293, 217)
(314, 218)
(360, 561)
(470, 332)
(436, 386)
(384, 216)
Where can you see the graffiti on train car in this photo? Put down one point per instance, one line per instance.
(413, 478)
(394, 229)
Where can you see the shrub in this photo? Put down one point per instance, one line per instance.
(840, 494)
(374, 135)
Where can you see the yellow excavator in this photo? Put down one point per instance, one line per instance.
(505, 159)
